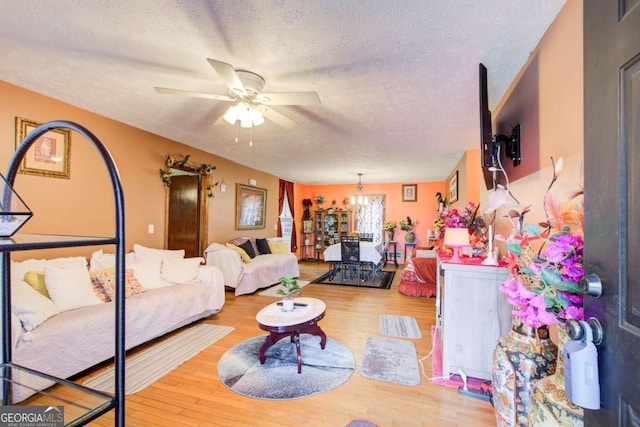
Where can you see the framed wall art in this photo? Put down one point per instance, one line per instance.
(49, 155)
(307, 226)
(409, 192)
(251, 207)
(453, 187)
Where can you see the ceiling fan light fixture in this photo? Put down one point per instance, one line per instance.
(248, 115)
(233, 114)
(256, 117)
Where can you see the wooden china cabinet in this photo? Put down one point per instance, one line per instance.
(329, 227)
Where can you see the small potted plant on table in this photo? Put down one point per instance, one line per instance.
(289, 287)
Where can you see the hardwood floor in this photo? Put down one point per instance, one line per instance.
(191, 395)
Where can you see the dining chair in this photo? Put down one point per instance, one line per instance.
(350, 257)
(375, 270)
(366, 237)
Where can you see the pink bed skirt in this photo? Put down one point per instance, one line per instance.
(417, 289)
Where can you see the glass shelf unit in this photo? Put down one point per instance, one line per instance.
(82, 404)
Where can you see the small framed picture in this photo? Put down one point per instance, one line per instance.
(307, 226)
(453, 187)
(49, 155)
(409, 192)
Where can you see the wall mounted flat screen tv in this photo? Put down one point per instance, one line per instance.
(492, 146)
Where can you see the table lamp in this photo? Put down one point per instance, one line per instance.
(456, 238)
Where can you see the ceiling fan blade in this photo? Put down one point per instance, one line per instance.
(278, 118)
(179, 92)
(229, 75)
(289, 98)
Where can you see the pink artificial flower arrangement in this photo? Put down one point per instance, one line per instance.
(546, 268)
(451, 218)
(544, 283)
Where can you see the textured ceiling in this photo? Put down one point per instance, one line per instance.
(398, 80)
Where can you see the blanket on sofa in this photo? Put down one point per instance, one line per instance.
(63, 314)
(248, 274)
(83, 337)
(419, 277)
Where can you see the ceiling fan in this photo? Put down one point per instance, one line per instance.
(245, 92)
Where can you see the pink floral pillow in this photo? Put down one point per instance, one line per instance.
(106, 279)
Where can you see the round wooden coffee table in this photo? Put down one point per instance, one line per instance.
(302, 320)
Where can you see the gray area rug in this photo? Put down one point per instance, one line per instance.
(399, 326)
(148, 366)
(240, 370)
(391, 360)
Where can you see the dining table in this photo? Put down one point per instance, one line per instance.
(369, 252)
(370, 257)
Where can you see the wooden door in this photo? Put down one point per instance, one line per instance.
(612, 202)
(183, 214)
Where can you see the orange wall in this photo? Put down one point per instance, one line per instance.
(423, 210)
(83, 205)
(560, 82)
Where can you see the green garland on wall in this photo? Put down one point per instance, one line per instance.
(183, 164)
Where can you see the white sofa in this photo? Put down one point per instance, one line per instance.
(73, 329)
(246, 274)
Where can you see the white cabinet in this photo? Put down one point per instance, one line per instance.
(473, 314)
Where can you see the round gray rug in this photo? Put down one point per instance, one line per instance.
(240, 370)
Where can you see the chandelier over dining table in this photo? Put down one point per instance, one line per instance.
(359, 198)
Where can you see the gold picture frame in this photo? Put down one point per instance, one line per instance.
(49, 155)
(409, 192)
(453, 187)
(251, 207)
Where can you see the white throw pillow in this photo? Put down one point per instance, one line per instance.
(100, 260)
(70, 288)
(176, 271)
(148, 274)
(31, 307)
(20, 268)
(143, 254)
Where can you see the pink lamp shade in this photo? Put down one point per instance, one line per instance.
(456, 238)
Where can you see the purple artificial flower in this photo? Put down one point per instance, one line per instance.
(572, 312)
(574, 299)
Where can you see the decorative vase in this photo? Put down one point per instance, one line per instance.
(390, 235)
(287, 304)
(548, 404)
(410, 237)
(523, 355)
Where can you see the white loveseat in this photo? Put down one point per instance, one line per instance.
(247, 274)
(73, 329)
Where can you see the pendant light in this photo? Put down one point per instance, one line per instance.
(359, 198)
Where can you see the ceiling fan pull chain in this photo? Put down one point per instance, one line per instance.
(236, 128)
(251, 136)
